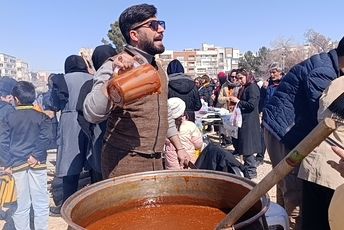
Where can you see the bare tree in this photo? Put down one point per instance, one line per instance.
(318, 43)
(288, 53)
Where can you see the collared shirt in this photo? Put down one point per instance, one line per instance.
(150, 58)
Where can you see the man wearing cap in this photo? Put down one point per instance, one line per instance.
(273, 82)
(266, 92)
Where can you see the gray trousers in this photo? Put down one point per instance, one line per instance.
(289, 189)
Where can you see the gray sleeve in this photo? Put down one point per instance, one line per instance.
(172, 130)
(96, 105)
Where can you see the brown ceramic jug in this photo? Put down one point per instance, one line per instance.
(134, 84)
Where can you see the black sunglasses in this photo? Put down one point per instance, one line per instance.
(154, 25)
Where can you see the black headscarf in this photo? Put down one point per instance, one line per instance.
(75, 63)
(175, 67)
(101, 53)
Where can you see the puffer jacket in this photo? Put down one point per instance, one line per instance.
(292, 111)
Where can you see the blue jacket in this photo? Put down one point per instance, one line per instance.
(24, 132)
(5, 109)
(292, 111)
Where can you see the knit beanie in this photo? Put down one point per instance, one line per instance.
(177, 107)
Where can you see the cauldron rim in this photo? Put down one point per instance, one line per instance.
(70, 203)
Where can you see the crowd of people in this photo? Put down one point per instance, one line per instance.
(94, 132)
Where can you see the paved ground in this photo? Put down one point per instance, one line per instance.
(57, 223)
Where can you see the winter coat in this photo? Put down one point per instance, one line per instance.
(249, 139)
(183, 87)
(292, 111)
(190, 138)
(216, 158)
(93, 132)
(222, 98)
(315, 167)
(24, 132)
(205, 93)
(70, 159)
(5, 108)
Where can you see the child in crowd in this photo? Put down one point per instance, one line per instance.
(202, 155)
(190, 136)
(24, 138)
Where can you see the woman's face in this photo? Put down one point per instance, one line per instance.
(233, 77)
(242, 79)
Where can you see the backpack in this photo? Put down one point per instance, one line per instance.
(7, 190)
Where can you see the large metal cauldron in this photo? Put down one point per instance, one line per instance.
(198, 187)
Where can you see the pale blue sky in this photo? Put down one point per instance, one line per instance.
(44, 33)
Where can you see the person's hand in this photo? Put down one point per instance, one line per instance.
(32, 161)
(340, 165)
(124, 62)
(49, 113)
(8, 171)
(233, 99)
(183, 158)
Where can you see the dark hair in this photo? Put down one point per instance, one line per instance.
(249, 76)
(205, 78)
(75, 63)
(175, 67)
(6, 85)
(101, 54)
(25, 92)
(340, 48)
(134, 15)
(229, 77)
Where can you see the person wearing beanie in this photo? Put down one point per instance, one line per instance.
(182, 86)
(204, 155)
(267, 90)
(190, 136)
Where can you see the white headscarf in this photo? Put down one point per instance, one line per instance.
(177, 106)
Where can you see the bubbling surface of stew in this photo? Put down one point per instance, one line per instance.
(162, 216)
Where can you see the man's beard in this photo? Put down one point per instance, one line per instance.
(150, 48)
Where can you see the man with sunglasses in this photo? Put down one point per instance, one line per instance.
(136, 132)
